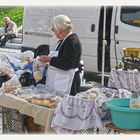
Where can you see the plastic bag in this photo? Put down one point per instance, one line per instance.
(27, 56)
(5, 67)
(15, 63)
(38, 69)
(11, 85)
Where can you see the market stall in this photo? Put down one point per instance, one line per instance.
(22, 99)
(125, 112)
(51, 112)
(42, 115)
(85, 111)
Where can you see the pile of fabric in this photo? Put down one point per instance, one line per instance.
(75, 113)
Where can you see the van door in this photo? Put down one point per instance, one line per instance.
(86, 23)
(36, 26)
(127, 28)
(107, 37)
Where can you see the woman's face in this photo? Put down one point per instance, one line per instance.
(56, 32)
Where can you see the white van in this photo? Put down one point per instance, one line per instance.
(122, 30)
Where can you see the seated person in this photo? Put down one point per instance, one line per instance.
(10, 28)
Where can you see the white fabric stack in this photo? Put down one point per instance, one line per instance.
(129, 80)
(74, 114)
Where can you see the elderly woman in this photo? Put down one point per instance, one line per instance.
(69, 49)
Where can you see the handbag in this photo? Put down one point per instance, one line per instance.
(59, 81)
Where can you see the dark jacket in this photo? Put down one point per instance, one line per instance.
(69, 56)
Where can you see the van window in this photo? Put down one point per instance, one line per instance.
(131, 15)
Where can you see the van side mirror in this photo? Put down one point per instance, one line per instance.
(92, 27)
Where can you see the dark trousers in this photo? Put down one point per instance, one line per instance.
(75, 85)
(6, 38)
(0, 38)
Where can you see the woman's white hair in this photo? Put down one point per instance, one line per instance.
(62, 22)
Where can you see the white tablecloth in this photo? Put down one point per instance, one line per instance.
(74, 113)
(121, 79)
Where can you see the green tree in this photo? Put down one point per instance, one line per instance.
(14, 13)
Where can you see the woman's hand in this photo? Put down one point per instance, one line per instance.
(44, 58)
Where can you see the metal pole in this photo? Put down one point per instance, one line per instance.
(103, 46)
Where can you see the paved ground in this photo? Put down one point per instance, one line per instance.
(96, 77)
